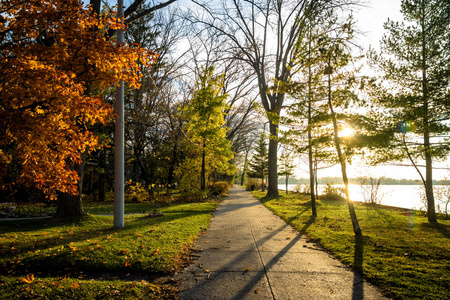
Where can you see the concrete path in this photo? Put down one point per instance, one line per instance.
(249, 253)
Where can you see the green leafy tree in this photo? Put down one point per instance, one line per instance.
(414, 89)
(210, 151)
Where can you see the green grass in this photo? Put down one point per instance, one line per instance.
(400, 252)
(98, 208)
(69, 258)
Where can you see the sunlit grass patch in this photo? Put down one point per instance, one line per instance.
(400, 251)
(76, 247)
(14, 287)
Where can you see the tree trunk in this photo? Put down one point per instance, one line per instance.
(287, 185)
(311, 180)
(245, 167)
(431, 211)
(273, 160)
(101, 188)
(146, 176)
(315, 174)
(356, 228)
(203, 175)
(70, 205)
(310, 150)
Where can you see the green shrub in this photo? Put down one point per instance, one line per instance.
(252, 184)
(334, 193)
(219, 188)
(136, 193)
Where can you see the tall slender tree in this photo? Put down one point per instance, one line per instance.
(336, 56)
(286, 168)
(415, 87)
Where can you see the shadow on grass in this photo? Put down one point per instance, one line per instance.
(358, 257)
(72, 230)
(441, 228)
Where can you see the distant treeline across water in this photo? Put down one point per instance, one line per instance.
(338, 180)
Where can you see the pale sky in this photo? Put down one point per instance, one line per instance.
(369, 19)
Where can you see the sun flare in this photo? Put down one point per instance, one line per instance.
(346, 132)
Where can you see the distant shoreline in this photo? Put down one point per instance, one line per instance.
(338, 180)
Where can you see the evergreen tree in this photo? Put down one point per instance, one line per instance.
(336, 57)
(259, 164)
(286, 168)
(415, 62)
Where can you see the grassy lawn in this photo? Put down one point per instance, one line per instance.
(400, 251)
(86, 258)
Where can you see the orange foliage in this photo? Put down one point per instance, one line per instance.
(56, 60)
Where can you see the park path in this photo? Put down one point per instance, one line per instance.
(250, 253)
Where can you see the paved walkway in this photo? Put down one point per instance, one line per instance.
(249, 253)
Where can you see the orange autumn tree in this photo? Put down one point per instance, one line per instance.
(56, 59)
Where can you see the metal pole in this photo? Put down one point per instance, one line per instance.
(119, 167)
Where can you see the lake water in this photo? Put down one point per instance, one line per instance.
(405, 196)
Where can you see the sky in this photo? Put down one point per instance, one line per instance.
(369, 18)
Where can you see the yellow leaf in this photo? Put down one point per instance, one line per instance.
(29, 278)
(74, 285)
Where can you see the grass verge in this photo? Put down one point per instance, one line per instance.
(400, 252)
(86, 258)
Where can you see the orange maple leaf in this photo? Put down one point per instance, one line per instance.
(74, 285)
(29, 278)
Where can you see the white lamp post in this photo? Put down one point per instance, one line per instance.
(119, 166)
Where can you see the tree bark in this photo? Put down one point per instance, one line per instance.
(287, 184)
(310, 150)
(431, 211)
(203, 175)
(245, 167)
(272, 190)
(71, 205)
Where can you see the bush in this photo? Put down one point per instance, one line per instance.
(252, 184)
(334, 193)
(136, 193)
(219, 189)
